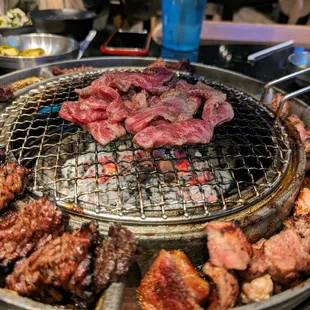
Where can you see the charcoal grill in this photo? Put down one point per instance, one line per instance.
(255, 166)
(246, 160)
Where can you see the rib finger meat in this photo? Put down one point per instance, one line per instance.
(62, 265)
(27, 229)
(13, 181)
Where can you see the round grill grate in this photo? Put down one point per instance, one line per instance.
(246, 159)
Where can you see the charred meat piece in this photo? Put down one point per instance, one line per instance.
(114, 256)
(258, 265)
(162, 288)
(226, 287)
(13, 181)
(286, 256)
(258, 289)
(167, 134)
(228, 246)
(25, 82)
(59, 71)
(104, 131)
(197, 287)
(62, 265)
(29, 228)
(174, 107)
(6, 93)
(302, 204)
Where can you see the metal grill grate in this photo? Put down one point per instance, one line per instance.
(244, 162)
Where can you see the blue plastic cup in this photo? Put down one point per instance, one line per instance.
(182, 20)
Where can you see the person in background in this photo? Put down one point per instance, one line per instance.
(294, 11)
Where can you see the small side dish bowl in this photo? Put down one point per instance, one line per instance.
(56, 48)
(297, 62)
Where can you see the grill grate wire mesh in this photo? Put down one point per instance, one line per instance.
(246, 159)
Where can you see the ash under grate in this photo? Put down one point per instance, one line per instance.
(245, 160)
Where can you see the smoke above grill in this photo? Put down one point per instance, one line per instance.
(246, 160)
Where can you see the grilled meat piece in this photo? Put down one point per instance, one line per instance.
(286, 256)
(114, 256)
(275, 104)
(258, 265)
(6, 93)
(258, 289)
(301, 224)
(197, 287)
(162, 288)
(228, 246)
(302, 204)
(28, 229)
(304, 134)
(13, 181)
(25, 82)
(165, 134)
(62, 265)
(59, 71)
(226, 287)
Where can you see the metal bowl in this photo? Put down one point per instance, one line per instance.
(69, 22)
(297, 62)
(57, 48)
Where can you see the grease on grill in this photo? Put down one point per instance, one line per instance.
(245, 160)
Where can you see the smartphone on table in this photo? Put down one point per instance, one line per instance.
(127, 43)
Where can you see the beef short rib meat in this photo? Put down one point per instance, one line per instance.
(114, 256)
(162, 288)
(197, 287)
(13, 180)
(27, 229)
(226, 287)
(228, 246)
(79, 112)
(104, 131)
(167, 134)
(62, 265)
(174, 107)
(217, 114)
(286, 256)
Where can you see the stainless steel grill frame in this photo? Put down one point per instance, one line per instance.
(29, 132)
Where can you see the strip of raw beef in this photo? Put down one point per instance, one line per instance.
(162, 288)
(217, 114)
(167, 134)
(136, 101)
(152, 80)
(104, 131)
(114, 103)
(77, 112)
(302, 204)
(228, 246)
(174, 107)
(202, 90)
